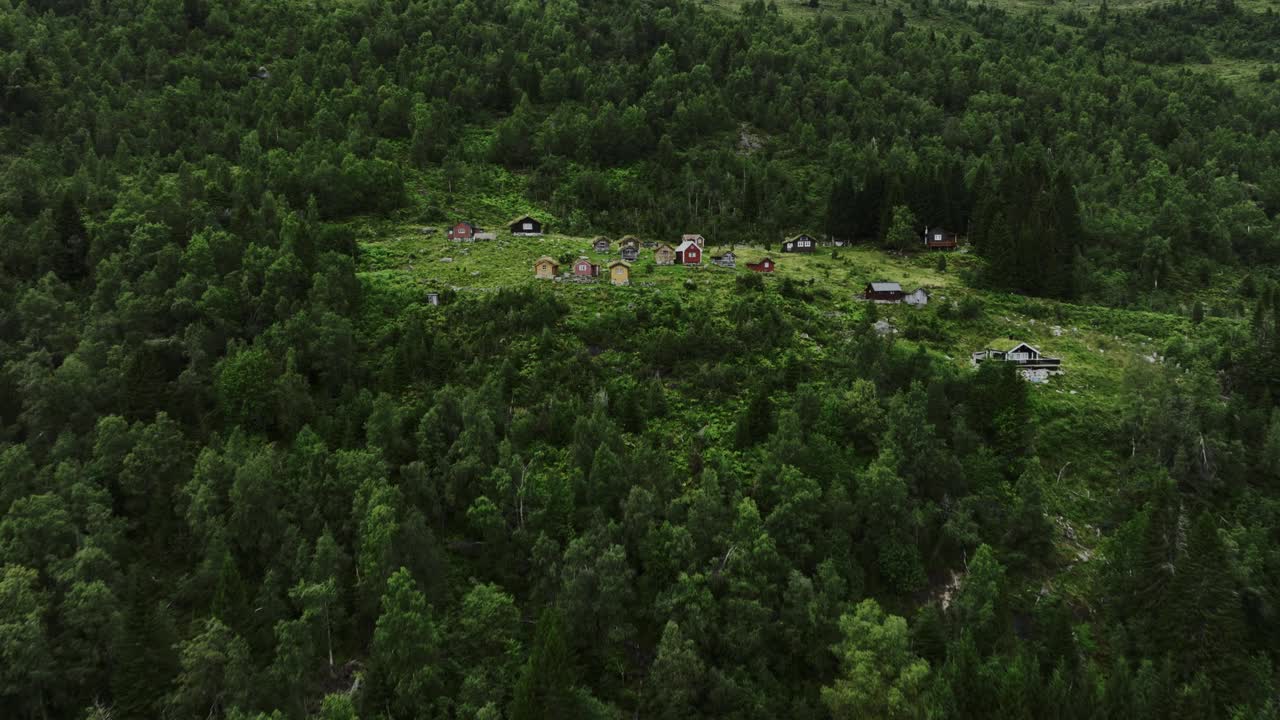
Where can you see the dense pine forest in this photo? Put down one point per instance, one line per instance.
(248, 471)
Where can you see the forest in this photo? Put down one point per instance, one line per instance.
(243, 476)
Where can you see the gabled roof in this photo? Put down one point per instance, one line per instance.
(686, 245)
(546, 259)
(1021, 345)
(663, 245)
(886, 287)
(629, 238)
(522, 218)
(598, 238)
(691, 236)
(806, 236)
(619, 262)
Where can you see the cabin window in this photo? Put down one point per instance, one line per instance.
(528, 226)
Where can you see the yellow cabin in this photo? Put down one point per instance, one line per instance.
(545, 268)
(620, 272)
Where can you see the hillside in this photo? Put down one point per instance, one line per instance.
(249, 472)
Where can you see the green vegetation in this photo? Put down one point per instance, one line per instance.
(247, 471)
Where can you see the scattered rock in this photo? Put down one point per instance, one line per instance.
(446, 259)
(1057, 331)
(475, 273)
(882, 327)
(427, 230)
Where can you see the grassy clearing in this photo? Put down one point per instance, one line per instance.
(1077, 412)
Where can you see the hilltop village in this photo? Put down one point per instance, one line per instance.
(620, 258)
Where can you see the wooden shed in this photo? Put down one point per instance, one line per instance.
(545, 268)
(701, 241)
(620, 272)
(764, 266)
(940, 239)
(728, 260)
(463, 231)
(630, 253)
(885, 292)
(600, 244)
(664, 254)
(688, 253)
(583, 267)
(629, 241)
(918, 297)
(525, 226)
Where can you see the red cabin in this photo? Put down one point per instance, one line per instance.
(688, 253)
(585, 268)
(764, 266)
(461, 231)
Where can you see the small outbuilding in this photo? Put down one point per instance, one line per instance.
(463, 231)
(545, 268)
(883, 292)
(583, 267)
(764, 266)
(525, 226)
(485, 236)
(620, 272)
(939, 239)
(728, 260)
(918, 297)
(600, 244)
(629, 241)
(688, 253)
(630, 253)
(433, 298)
(701, 241)
(664, 254)
(799, 244)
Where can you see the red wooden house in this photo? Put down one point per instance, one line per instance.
(462, 231)
(688, 253)
(585, 268)
(764, 266)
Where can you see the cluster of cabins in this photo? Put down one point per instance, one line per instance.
(529, 226)
(689, 251)
(933, 238)
(1030, 362)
